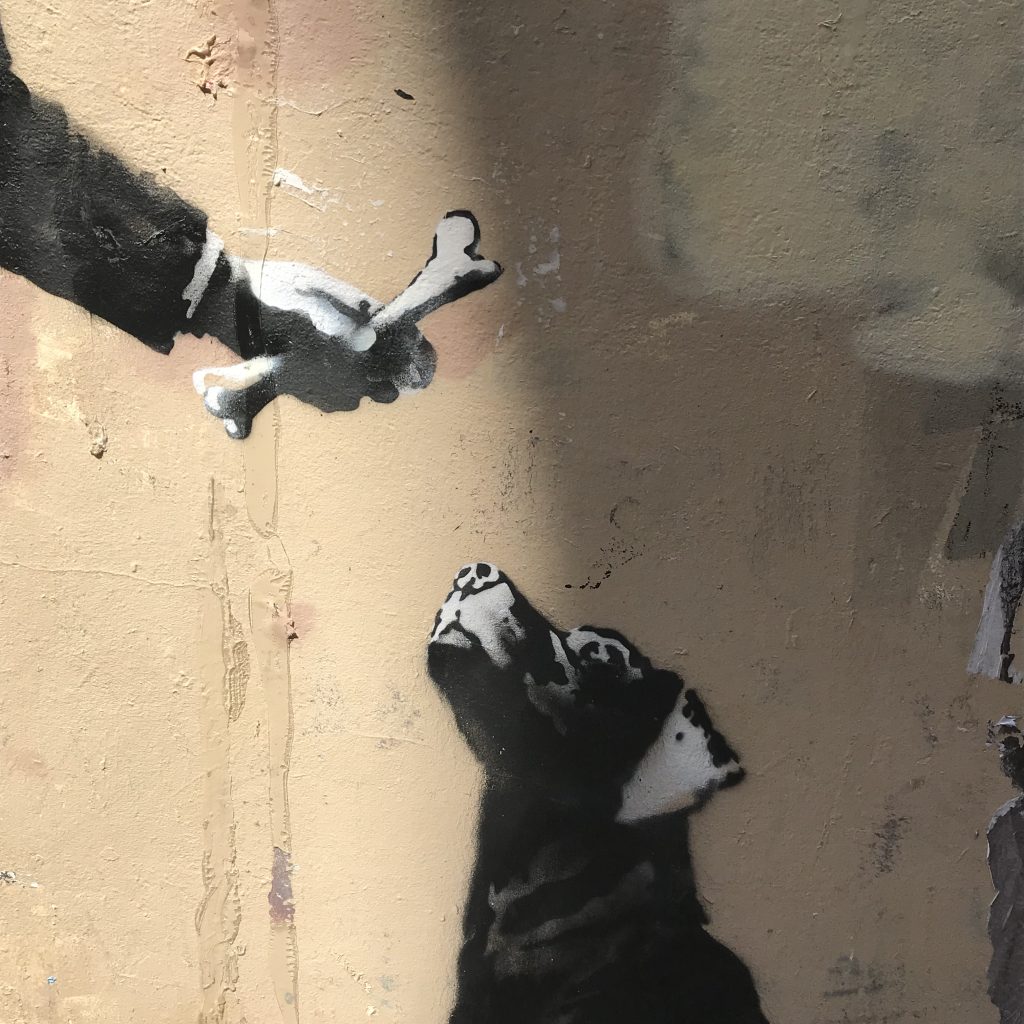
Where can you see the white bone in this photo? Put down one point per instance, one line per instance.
(437, 284)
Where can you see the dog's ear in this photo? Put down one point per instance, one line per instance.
(683, 768)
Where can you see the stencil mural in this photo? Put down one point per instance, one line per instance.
(583, 903)
(81, 225)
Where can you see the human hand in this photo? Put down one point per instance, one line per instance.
(327, 343)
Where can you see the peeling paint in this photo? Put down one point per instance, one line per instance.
(317, 196)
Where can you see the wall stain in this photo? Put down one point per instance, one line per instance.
(616, 553)
(282, 903)
(886, 845)
(855, 989)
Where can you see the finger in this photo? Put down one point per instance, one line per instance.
(232, 377)
(333, 307)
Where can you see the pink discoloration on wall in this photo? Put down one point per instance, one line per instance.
(280, 898)
(25, 761)
(463, 341)
(302, 618)
(329, 34)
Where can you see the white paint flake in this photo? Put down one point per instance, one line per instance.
(316, 196)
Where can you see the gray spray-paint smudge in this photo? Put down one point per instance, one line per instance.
(280, 898)
(886, 844)
(1006, 863)
(849, 978)
(992, 655)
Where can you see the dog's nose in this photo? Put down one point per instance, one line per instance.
(477, 576)
(449, 661)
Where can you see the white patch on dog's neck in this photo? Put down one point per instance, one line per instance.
(675, 773)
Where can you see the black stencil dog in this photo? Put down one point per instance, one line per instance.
(582, 907)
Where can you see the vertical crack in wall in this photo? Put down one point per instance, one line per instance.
(255, 137)
(268, 597)
(1006, 862)
(223, 675)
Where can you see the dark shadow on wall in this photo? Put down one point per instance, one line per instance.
(564, 100)
(558, 101)
(736, 485)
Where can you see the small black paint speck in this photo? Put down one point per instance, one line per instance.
(679, 737)
(405, 95)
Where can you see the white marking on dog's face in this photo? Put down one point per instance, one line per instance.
(677, 772)
(554, 697)
(591, 645)
(480, 605)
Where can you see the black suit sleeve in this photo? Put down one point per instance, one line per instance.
(78, 223)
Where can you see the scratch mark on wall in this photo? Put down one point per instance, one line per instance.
(236, 665)
(543, 270)
(77, 570)
(268, 596)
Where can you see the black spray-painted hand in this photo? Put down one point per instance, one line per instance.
(81, 224)
(306, 334)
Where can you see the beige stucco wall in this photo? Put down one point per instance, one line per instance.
(780, 509)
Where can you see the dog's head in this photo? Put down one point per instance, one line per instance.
(581, 713)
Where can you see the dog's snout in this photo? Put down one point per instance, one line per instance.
(477, 576)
